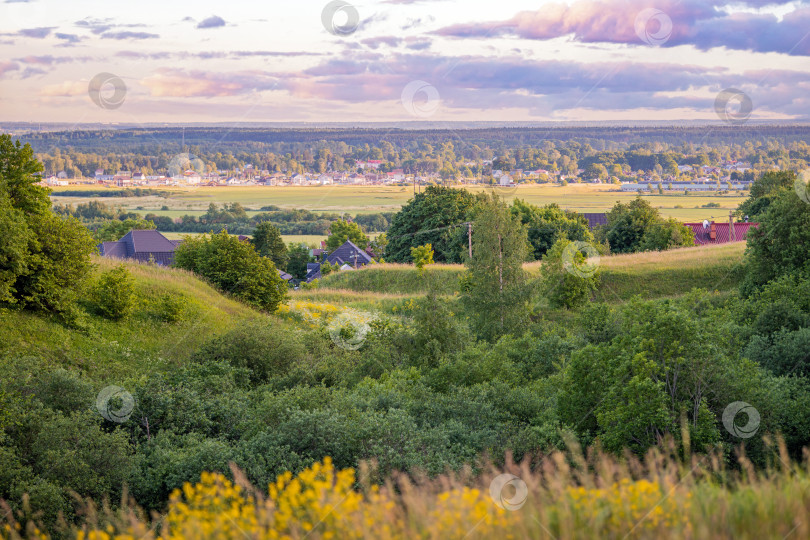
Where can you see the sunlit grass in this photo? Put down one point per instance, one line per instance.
(560, 496)
(371, 199)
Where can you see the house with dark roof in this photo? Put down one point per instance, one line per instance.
(313, 272)
(143, 246)
(710, 232)
(595, 219)
(349, 254)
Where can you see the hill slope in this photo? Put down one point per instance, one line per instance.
(141, 343)
(650, 274)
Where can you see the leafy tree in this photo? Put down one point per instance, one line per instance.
(667, 234)
(234, 267)
(433, 217)
(341, 230)
(497, 294)
(379, 245)
(268, 243)
(595, 171)
(567, 277)
(548, 224)
(115, 230)
(627, 224)
(422, 255)
(763, 192)
(114, 293)
(298, 258)
(665, 362)
(44, 259)
(637, 226)
(779, 245)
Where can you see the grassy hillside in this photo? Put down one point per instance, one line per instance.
(110, 350)
(651, 275)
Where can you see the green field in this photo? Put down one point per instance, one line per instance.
(371, 199)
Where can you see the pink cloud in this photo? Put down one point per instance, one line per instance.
(180, 83)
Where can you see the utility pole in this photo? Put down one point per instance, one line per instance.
(469, 237)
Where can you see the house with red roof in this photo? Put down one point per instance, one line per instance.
(711, 232)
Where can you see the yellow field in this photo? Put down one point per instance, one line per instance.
(370, 199)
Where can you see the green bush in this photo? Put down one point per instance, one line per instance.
(267, 348)
(114, 293)
(786, 353)
(235, 268)
(170, 307)
(567, 277)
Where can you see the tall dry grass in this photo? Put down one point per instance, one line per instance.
(561, 496)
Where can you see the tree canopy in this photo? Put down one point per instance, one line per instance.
(637, 226)
(268, 243)
(496, 293)
(764, 191)
(44, 259)
(549, 223)
(235, 267)
(434, 216)
(779, 245)
(341, 230)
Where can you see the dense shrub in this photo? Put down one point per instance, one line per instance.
(114, 293)
(785, 353)
(235, 268)
(267, 348)
(568, 277)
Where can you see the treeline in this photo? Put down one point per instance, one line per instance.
(449, 154)
(232, 217)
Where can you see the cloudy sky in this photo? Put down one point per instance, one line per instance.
(398, 60)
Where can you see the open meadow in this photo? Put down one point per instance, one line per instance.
(372, 199)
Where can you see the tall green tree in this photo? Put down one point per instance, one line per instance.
(779, 245)
(44, 259)
(435, 216)
(637, 226)
(496, 293)
(763, 192)
(116, 229)
(268, 243)
(340, 231)
(235, 268)
(627, 224)
(549, 223)
(299, 257)
(568, 277)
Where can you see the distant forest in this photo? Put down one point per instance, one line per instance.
(452, 153)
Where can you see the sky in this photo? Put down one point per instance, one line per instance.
(147, 61)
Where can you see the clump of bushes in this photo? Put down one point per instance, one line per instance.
(113, 293)
(265, 347)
